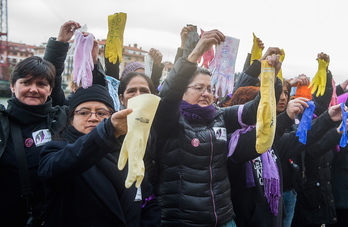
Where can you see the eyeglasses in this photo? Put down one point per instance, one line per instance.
(201, 89)
(87, 113)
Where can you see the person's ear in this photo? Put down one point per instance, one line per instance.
(121, 99)
(12, 89)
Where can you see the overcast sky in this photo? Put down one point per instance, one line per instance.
(303, 28)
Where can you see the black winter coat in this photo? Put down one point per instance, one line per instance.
(31, 119)
(251, 206)
(84, 186)
(193, 186)
(315, 201)
(340, 178)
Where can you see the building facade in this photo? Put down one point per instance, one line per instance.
(11, 53)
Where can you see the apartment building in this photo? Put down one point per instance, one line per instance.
(12, 53)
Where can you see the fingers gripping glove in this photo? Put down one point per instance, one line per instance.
(83, 62)
(305, 123)
(256, 51)
(266, 112)
(343, 128)
(280, 73)
(133, 148)
(114, 40)
(319, 81)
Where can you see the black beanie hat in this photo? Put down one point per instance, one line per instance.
(94, 93)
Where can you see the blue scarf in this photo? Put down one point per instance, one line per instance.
(197, 114)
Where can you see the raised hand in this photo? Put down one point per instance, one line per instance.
(296, 106)
(119, 122)
(208, 39)
(67, 31)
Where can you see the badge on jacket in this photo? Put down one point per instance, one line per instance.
(41, 137)
(220, 133)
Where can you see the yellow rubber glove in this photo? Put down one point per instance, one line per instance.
(134, 145)
(256, 51)
(114, 40)
(266, 112)
(318, 83)
(281, 58)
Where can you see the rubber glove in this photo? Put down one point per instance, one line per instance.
(256, 51)
(148, 63)
(222, 67)
(306, 122)
(343, 128)
(134, 145)
(333, 101)
(318, 83)
(114, 41)
(281, 58)
(191, 41)
(83, 62)
(207, 57)
(266, 112)
(303, 91)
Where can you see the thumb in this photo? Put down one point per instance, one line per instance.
(123, 113)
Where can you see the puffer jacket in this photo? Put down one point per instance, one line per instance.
(192, 185)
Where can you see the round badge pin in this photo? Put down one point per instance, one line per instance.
(195, 142)
(29, 142)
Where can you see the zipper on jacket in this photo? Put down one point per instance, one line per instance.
(211, 178)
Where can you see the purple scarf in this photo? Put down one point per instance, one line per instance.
(271, 181)
(197, 114)
(270, 173)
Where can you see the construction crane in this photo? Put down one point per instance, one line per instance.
(4, 64)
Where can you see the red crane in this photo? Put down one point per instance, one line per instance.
(4, 64)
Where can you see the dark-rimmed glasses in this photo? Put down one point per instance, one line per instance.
(99, 113)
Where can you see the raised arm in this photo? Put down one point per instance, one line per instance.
(157, 68)
(56, 52)
(60, 161)
(177, 81)
(322, 102)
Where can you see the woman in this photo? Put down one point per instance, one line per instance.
(193, 186)
(254, 204)
(84, 185)
(134, 84)
(30, 113)
(36, 88)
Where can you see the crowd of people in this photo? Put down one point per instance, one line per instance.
(59, 155)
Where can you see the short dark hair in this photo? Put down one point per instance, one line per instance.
(200, 70)
(127, 78)
(36, 67)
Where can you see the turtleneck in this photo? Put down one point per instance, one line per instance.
(28, 114)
